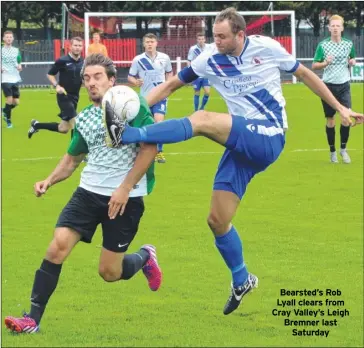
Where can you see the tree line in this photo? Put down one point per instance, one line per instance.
(46, 14)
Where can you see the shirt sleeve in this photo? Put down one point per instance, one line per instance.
(78, 144)
(56, 67)
(133, 71)
(352, 53)
(168, 67)
(18, 58)
(190, 55)
(319, 54)
(199, 63)
(284, 60)
(144, 116)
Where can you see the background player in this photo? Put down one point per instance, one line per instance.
(97, 46)
(68, 89)
(200, 82)
(10, 77)
(147, 71)
(336, 55)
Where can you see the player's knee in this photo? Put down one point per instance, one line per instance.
(330, 122)
(217, 224)
(9, 100)
(57, 250)
(197, 94)
(109, 274)
(16, 102)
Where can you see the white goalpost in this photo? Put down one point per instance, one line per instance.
(179, 29)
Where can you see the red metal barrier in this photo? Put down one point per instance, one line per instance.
(118, 49)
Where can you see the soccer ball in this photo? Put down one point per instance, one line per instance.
(122, 101)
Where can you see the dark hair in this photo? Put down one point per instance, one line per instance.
(200, 34)
(99, 59)
(8, 32)
(76, 38)
(236, 20)
(150, 36)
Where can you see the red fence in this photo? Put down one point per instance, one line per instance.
(125, 49)
(118, 49)
(285, 41)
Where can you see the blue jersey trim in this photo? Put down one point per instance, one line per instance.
(147, 64)
(187, 75)
(295, 67)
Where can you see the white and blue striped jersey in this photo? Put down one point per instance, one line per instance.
(151, 71)
(249, 83)
(195, 51)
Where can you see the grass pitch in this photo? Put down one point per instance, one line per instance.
(301, 223)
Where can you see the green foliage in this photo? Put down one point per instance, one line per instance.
(300, 222)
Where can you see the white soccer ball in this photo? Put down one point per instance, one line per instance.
(123, 101)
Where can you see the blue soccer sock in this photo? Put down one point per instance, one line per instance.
(166, 132)
(196, 101)
(231, 250)
(159, 147)
(204, 101)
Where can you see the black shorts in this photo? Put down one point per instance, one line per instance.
(68, 106)
(86, 210)
(342, 93)
(10, 89)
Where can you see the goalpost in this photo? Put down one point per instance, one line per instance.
(176, 32)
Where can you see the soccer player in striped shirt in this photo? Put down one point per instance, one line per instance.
(10, 77)
(110, 194)
(336, 55)
(147, 71)
(200, 82)
(245, 70)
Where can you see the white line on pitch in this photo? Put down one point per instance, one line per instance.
(167, 153)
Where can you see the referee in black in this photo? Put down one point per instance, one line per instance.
(68, 89)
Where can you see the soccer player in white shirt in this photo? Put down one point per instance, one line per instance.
(200, 82)
(147, 71)
(10, 68)
(246, 72)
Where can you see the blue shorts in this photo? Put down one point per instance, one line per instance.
(159, 108)
(252, 146)
(199, 83)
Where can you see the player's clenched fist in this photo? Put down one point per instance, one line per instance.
(41, 187)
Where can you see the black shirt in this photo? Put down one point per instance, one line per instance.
(69, 71)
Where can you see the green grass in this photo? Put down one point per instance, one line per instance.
(301, 223)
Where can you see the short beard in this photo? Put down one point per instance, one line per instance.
(96, 100)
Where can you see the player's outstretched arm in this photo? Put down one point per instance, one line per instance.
(163, 90)
(142, 162)
(313, 82)
(64, 170)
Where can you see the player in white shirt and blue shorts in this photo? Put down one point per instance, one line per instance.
(200, 82)
(245, 70)
(147, 71)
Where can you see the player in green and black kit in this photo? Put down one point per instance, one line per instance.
(10, 77)
(110, 194)
(335, 55)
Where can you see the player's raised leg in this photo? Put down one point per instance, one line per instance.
(216, 126)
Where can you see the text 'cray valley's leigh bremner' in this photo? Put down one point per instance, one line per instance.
(301, 310)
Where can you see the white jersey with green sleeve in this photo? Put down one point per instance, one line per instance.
(107, 167)
(337, 72)
(10, 59)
